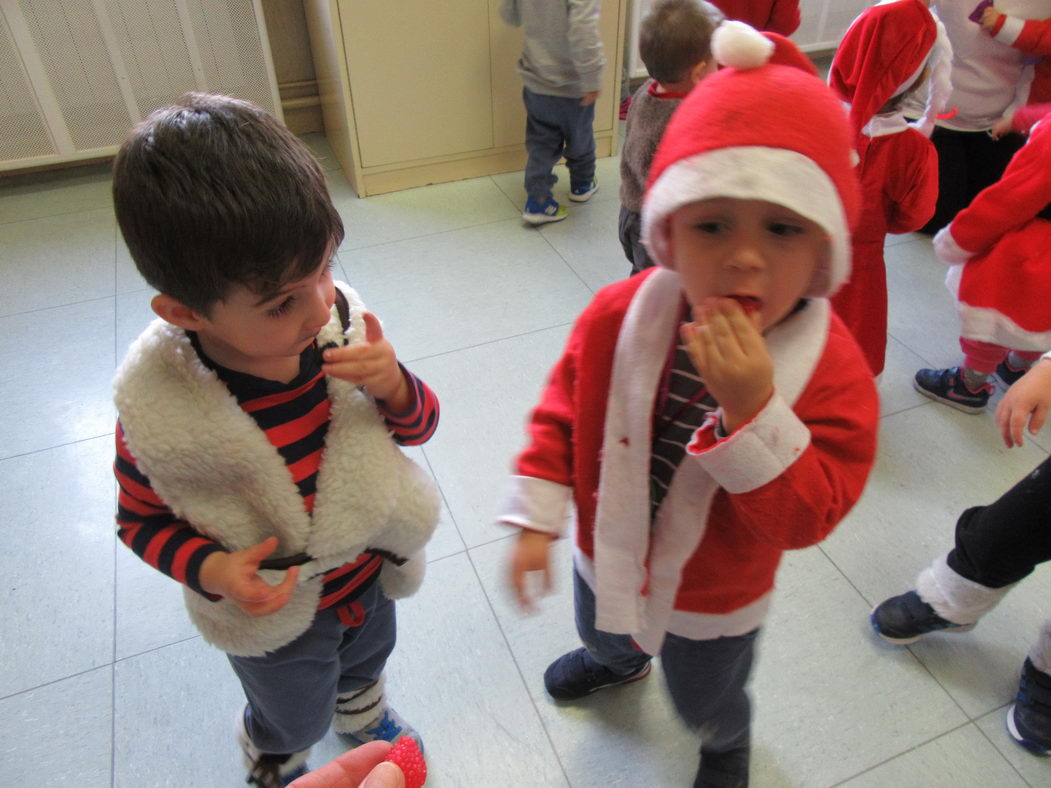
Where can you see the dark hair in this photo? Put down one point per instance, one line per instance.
(214, 192)
(675, 36)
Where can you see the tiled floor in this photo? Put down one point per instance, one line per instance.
(103, 681)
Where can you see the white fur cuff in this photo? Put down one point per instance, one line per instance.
(536, 504)
(1010, 30)
(954, 597)
(759, 451)
(357, 708)
(947, 250)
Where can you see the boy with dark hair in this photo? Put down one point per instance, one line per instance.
(254, 444)
(712, 412)
(675, 44)
(561, 68)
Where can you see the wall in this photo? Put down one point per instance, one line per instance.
(293, 63)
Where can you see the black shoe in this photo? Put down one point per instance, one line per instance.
(1009, 375)
(905, 618)
(947, 386)
(1029, 719)
(576, 674)
(724, 769)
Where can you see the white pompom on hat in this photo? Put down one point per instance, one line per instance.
(762, 128)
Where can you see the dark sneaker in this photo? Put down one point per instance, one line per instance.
(1029, 719)
(905, 618)
(582, 192)
(267, 769)
(1008, 374)
(543, 212)
(724, 769)
(576, 674)
(947, 386)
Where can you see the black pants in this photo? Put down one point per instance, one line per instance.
(968, 161)
(630, 231)
(999, 544)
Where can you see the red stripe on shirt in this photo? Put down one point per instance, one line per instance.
(280, 398)
(291, 431)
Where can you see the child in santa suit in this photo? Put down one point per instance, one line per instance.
(885, 55)
(777, 16)
(999, 250)
(711, 412)
(1030, 36)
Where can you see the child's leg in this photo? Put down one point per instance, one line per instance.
(618, 653)
(579, 130)
(544, 142)
(706, 680)
(630, 230)
(980, 360)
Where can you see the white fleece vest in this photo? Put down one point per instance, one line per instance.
(213, 466)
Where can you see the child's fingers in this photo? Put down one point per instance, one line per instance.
(1019, 416)
(1038, 419)
(373, 328)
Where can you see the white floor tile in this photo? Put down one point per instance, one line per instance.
(961, 759)
(32, 196)
(446, 539)
(60, 734)
(149, 607)
(56, 563)
(588, 241)
(464, 288)
(896, 391)
(1035, 770)
(416, 212)
(322, 151)
(61, 391)
(174, 713)
(56, 260)
(486, 393)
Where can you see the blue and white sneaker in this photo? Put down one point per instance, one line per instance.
(543, 213)
(947, 386)
(387, 726)
(906, 618)
(1029, 719)
(267, 769)
(582, 191)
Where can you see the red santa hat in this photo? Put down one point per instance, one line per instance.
(757, 130)
(882, 55)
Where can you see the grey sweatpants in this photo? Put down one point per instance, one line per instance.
(292, 692)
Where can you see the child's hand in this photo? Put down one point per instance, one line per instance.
(730, 354)
(372, 364)
(589, 98)
(530, 555)
(988, 20)
(1027, 400)
(235, 576)
(1002, 127)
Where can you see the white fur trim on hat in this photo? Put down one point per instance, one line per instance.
(775, 175)
(738, 45)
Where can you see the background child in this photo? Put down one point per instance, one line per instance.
(884, 55)
(675, 45)
(561, 66)
(263, 479)
(999, 250)
(696, 451)
(996, 547)
(777, 16)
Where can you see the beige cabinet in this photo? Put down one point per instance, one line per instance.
(424, 91)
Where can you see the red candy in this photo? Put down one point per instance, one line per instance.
(748, 303)
(406, 755)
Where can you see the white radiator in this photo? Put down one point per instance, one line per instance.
(76, 75)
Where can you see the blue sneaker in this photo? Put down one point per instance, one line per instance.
(1008, 374)
(905, 618)
(577, 674)
(542, 213)
(947, 386)
(1029, 719)
(387, 726)
(582, 191)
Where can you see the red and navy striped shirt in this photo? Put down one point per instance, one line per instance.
(295, 418)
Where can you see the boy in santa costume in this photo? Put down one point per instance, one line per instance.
(886, 54)
(711, 412)
(996, 547)
(999, 250)
(777, 16)
(1030, 36)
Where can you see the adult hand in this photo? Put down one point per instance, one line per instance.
(372, 364)
(361, 767)
(531, 554)
(236, 576)
(728, 350)
(1027, 400)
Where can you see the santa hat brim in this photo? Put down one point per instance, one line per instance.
(775, 175)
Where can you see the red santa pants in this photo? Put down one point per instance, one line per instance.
(983, 356)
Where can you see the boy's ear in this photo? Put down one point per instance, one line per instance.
(176, 313)
(702, 69)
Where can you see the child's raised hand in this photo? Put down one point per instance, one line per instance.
(988, 20)
(1027, 400)
(730, 354)
(530, 555)
(236, 576)
(372, 364)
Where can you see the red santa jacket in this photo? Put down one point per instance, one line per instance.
(778, 16)
(706, 565)
(1032, 36)
(1000, 253)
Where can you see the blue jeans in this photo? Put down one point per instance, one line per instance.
(292, 691)
(557, 127)
(706, 678)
